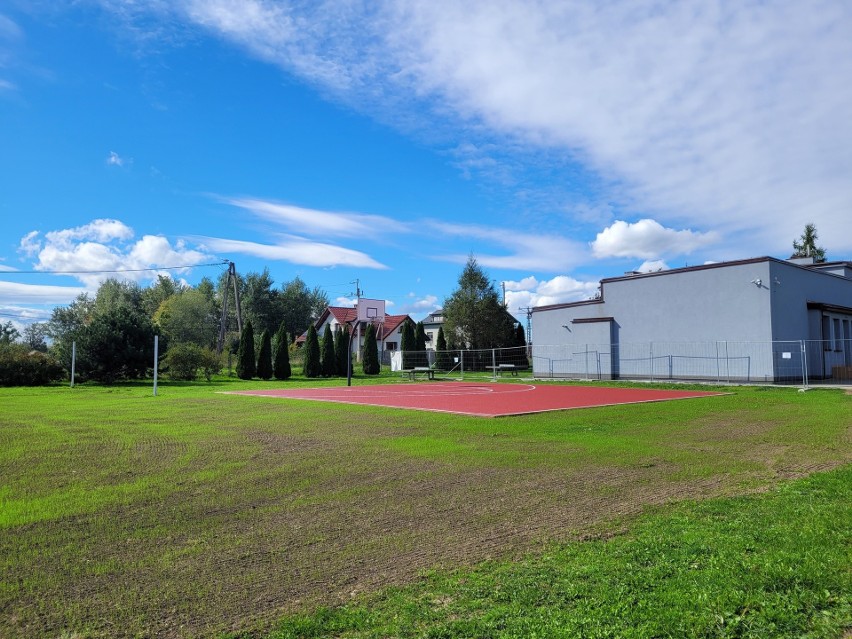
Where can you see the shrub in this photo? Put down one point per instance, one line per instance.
(370, 358)
(264, 357)
(328, 362)
(183, 361)
(281, 359)
(22, 366)
(312, 366)
(246, 367)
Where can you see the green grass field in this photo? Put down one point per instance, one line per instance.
(201, 514)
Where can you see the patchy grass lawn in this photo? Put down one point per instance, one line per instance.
(195, 513)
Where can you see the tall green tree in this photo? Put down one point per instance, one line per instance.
(261, 302)
(246, 364)
(281, 357)
(34, 336)
(806, 245)
(520, 335)
(8, 333)
(264, 356)
(328, 361)
(312, 366)
(300, 305)
(189, 317)
(407, 345)
(341, 351)
(117, 344)
(66, 326)
(474, 317)
(421, 358)
(443, 358)
(370, 359)
(161, 290)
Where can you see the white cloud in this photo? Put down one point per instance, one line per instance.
(526, 251)
(114, 159)
(647, 239)
(653, 266)
(530, 292)
(315, 222)
(295, 250)
(734, 111)
(107, 246)
(13, 293)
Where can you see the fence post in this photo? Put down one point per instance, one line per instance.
(156, 357)
(651, 360)
(461, 363)
(494, 363)
(727, 362)
(804, 364)
(73, 360)
(718, 372)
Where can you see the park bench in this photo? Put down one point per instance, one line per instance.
(504, 368)
(427, 372)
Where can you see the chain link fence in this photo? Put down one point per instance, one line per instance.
(799, 362)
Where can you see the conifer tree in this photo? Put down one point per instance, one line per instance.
(420, 345)
(246, 368)
(281, 358)
(341, 347)
(443, 360)
(264, 356)
(328, 361)
(312, 366)
(407, 345)
(520, 335)
(370, 360)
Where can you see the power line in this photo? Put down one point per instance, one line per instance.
(119, 270)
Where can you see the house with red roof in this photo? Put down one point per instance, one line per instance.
(388, 332)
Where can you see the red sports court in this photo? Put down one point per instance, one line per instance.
(481, 399)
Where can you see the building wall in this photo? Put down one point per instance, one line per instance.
(719, 321)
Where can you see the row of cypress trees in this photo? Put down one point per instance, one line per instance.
(270, 362)
(329, 357)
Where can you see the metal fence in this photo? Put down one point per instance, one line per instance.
(800, 362)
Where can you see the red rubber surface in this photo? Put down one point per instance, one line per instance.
(480, 398)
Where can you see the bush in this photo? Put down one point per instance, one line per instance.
(312, 366)
(246, 365)
(183, 361)
(264, 356)
(281, 358)
(22, 366)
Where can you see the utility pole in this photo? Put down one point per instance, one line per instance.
(504, 293)
(358, 291)
(528, 310)
(223, 320)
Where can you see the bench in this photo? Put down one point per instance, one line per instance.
(504, 368)
(422, 370)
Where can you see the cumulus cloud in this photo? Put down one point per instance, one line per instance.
(530, 292)
(316, 222)
(735, 110)
(105, 248)
(296, 250)
(647, 239)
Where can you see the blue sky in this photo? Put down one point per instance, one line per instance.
(558, 142)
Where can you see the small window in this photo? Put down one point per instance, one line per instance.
(390, 346)
(826, 333)
(838, 335)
